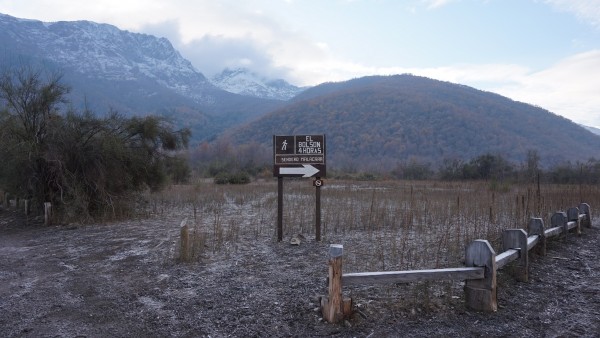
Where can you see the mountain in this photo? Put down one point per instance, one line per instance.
(245, 82)
(132, 73)
(375, 122)
(592, 129)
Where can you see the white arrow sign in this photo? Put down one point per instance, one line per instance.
(306, 170)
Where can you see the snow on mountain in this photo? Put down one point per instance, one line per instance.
(245, 82)
(103, 51)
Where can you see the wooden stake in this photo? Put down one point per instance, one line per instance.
(517, 239)
(536, 227)
(481, 294)
(573, 216)
(184, 250)
(559, 219)
(47, 213)
(584, 208)
(332, 306)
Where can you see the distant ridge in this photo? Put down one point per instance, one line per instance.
(379, 121)
(592, 129)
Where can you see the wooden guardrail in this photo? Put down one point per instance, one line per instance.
(479, 272)
(12, 202)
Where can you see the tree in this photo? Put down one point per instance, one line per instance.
(86, 166)
(486, 167)
(413, 170)
(32, 101)
(451, 169)
(532, 167)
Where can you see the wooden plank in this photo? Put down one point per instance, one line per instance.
(506, 257)
(554, 231)
(409, 276)
(571, 225)
(532, 241)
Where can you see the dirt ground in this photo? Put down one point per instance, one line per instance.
(122, 280)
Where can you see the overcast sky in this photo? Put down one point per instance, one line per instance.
(543, 52)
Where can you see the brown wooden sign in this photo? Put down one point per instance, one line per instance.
(299, 156)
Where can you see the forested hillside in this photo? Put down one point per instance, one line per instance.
(378, 122)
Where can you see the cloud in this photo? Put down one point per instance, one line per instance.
(211, 54)
(586, 10)
(569, 88)
(433, 4)
(256, 42)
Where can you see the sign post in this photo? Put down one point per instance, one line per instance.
(279, 208)
(299, 156)
(318, 184)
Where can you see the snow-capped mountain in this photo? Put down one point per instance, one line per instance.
(104, 51)
(112, 69)
(245, 82)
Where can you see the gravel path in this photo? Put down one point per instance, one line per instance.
(122, 280)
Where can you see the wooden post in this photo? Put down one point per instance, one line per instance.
(480, 294)
(279, 208)
(536, 227)
(318, 210)
(517, 239)
(585, 209)
(26, 202)
(559, 219)
(332, 306)
(6, 201)
(573, 216)
(184, 249)
(47, 213)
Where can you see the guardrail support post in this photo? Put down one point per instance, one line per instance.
(47, 213)
(584, 208)
(185, 248)
(481, 294)
(559, 219)
(573, 216)
(517, 239)
(334, 307)
(536, 227)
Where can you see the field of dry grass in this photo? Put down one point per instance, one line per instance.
(384, 225)
(125, 278)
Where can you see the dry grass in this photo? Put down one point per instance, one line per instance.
(390, 225)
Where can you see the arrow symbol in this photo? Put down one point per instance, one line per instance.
(306, 170)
